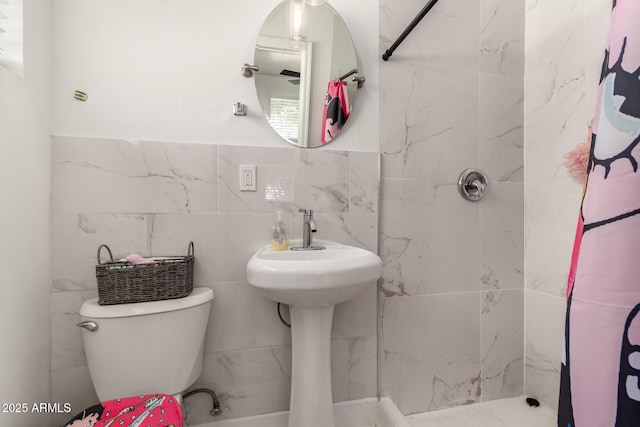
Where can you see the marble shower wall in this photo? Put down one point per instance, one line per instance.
(153, 198)
(564, 52)
(451, 327)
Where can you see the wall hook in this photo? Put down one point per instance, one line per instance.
(360, 80)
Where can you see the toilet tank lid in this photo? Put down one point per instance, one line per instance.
(91, 308)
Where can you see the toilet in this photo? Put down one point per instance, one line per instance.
(144, 348)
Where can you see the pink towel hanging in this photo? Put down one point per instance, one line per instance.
(336, 110)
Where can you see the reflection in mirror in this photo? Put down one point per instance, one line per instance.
(302, 51)
(284, 71)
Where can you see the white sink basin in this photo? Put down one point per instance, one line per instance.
(313, 278)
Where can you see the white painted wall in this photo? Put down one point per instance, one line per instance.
(169, 70)
(24, 218)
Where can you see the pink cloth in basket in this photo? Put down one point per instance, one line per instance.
(138, 259)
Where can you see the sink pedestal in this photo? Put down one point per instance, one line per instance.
(312, 283)
(311, 398)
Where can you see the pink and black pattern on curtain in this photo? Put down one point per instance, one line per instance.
(600, 372)
(154, 410)
(336, 110)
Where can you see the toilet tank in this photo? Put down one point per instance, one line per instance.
(149, 347)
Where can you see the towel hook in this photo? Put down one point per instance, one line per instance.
(360, 80)
(347, 74)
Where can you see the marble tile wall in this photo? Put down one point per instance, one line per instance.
(153, 198)
(564, 51)
(452, 317)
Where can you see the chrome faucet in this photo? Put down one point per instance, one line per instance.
(308, 227)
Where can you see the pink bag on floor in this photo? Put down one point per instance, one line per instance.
(153, 410)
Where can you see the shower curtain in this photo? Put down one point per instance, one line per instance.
(600, 371)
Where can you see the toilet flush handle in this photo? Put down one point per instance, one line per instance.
(89, 325)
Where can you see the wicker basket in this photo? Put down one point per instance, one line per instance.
(166, 278)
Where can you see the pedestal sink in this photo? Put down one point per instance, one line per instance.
(311, 282)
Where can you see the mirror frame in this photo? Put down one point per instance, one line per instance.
(275, 37)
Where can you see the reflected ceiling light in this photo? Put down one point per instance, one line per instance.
(297, 20)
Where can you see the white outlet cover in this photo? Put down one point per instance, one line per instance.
(247, 178)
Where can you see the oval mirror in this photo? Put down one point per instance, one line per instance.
(307, 65)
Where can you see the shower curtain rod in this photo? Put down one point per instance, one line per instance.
(387, 54)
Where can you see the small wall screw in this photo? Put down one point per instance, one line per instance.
(80, 96)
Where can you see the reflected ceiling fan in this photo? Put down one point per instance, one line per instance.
(291, 73)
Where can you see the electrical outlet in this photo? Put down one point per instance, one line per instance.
(247, 177)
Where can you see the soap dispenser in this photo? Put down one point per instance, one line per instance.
(279, 235)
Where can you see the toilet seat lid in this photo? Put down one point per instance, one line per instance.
(91, 308)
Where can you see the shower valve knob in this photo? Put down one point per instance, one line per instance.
(472, 184)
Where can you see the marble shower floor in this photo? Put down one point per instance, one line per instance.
(498, 413)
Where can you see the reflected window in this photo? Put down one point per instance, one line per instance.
(11, 38)
(284, 116)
